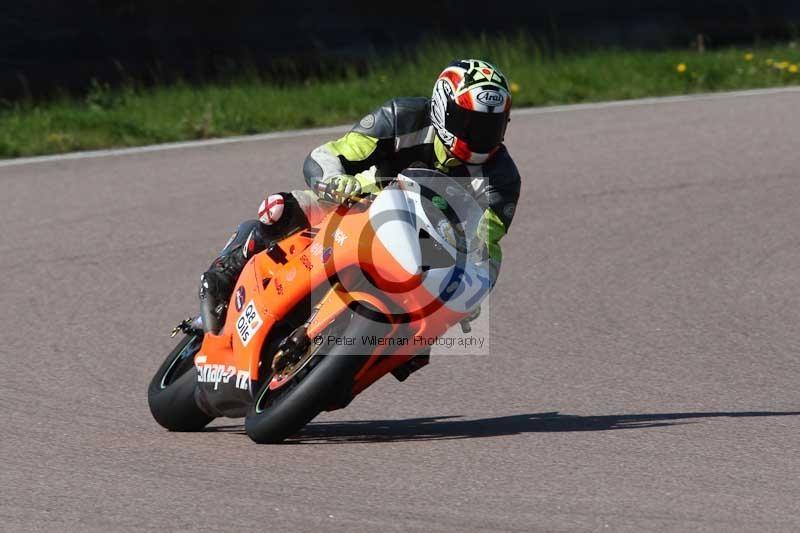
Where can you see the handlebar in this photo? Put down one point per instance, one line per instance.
(324, 189)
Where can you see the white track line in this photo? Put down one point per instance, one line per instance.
(337, 129)
(654, 100)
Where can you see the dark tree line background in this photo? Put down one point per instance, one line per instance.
(49, 45)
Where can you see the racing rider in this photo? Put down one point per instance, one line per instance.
(459, 131)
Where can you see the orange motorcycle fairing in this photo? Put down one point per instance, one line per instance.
(228, 363)
(310, 279)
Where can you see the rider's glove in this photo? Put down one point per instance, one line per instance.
(345, 187)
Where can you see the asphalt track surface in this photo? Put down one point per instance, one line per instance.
(644, 370)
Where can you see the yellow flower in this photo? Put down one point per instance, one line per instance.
(514, 87)
(681, 67)
(748, 56)
(768, 61)
(783, 65)
(793, 69)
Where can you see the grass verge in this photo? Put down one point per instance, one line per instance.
(134, 116)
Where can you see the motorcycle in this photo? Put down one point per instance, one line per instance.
(324, 313)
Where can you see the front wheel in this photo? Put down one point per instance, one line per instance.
(325, 379)
(172, 390)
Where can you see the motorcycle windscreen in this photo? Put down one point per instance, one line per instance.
(393, 222)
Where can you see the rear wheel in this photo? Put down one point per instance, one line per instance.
(171, 394)
(323, 379)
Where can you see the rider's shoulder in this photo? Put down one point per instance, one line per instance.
(394, 117)
(416, 104)
(501, 166)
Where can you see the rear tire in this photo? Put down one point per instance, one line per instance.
(326, 380)
(171, 394)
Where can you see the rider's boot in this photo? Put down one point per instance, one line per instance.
(216, 284)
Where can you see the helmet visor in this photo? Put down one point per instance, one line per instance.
(481, 131)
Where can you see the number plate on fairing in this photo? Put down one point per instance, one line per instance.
(248, 323)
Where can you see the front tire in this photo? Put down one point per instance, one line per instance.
(171, 394)
(326, 380)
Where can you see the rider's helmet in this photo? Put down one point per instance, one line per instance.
(470, 109)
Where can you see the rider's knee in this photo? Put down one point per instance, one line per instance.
(282, 213)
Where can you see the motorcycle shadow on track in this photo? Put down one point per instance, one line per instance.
(454, 427)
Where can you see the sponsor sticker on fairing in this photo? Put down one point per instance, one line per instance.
(240, 295)
(248, 323)
(339, 236)
(218, 373)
